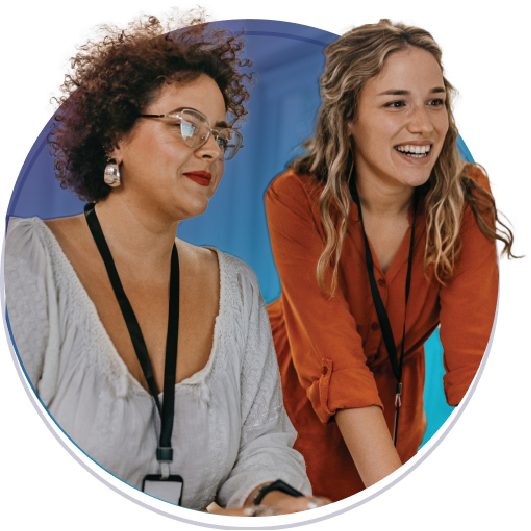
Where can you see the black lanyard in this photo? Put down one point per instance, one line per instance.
(383, 320)
(166, 412)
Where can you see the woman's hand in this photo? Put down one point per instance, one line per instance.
(286, 504)
(273, 504)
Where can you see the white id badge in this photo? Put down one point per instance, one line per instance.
(170, 489)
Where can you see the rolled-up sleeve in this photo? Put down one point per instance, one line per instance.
(266, 447)
(326, 347)
(468, 305)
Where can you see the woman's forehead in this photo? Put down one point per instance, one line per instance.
(411, 59)
(202, 94)
(410, 68)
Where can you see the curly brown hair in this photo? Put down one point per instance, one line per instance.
(115, 78)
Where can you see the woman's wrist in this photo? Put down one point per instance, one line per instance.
(286, 504)
(275, 497)
(279, 499)
(276, 486)
(249, 502)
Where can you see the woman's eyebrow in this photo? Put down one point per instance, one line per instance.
(223, 124)
(434, 90)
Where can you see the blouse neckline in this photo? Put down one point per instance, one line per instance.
(109, 347)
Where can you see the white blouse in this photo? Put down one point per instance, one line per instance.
(230, 433)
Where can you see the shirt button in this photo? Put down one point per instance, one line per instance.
(324, 370)
(381, 282)
(375, 326)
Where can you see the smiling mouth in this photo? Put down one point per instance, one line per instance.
(416, 152)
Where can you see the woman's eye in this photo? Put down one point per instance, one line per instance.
(437, 102)
(395, 104)
(187, 129)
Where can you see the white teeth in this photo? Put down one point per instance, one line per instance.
(414, 150)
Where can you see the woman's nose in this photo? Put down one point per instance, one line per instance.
(209, 149)
(419, 121)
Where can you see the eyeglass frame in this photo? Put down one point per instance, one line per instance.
(238, 134)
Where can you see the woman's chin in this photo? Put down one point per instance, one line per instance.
(192, 210)
(414, 178)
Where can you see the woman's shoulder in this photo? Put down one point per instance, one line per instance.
(68, 225)
(25, 237)
(239, 290)
(237, 268)
(30, 239)
(23, 225)
(201, 259)
(26, 261)
(479, 175)
(479, 199)
(478, 189)
(210, 261)
(30, 231)
(290, 183)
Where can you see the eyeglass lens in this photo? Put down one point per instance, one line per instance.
(195, 129)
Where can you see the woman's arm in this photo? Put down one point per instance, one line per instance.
(370, 445)
(468, 304)
(369, 442)
(273, 504)
(282, 503)
(32, 304)
(267, 435)
(327, 348)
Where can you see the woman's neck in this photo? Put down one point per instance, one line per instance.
(389, 198)
(136, 233)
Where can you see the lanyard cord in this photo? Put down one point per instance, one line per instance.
(383, 319)
(166, 412)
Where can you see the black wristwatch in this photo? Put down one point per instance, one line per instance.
(279, 486)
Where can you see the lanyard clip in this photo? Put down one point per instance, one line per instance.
(164, 457)
(165, 454)
(398, 402)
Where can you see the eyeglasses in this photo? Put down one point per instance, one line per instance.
(195, 131)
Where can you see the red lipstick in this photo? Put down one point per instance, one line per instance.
(200, 177)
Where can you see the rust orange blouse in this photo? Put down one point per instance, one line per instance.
(330, 351)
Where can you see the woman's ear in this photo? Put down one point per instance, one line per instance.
(115, 152)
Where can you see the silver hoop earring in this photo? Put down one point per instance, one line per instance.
(111, 175)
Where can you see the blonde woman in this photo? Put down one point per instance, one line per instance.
(380, 234)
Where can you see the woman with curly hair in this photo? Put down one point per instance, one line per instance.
(380, 234)
(155, 356)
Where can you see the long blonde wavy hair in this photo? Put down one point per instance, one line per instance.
(352, 60)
